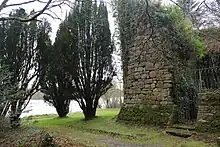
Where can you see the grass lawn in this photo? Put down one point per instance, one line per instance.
(104, 131)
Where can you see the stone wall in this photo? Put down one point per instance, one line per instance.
(147, 81)
(209, 112)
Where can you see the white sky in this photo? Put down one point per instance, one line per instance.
(61, 13)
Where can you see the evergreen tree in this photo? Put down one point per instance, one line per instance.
(18, 52)
(93, 50)
(7, 90)
(53, 63)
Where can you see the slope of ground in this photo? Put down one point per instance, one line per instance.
(104, 131)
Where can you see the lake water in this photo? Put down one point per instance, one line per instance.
(39, 107)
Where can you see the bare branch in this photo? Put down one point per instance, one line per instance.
(49, 4)
(150, 22)
(18, 4)
(176, 4)
(38, 14)
(3, 5)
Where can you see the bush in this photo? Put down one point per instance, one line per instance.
(47, 141)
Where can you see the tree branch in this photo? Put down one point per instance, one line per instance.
(150, 22)
(18, 4)
(3, 5)
(33, 18)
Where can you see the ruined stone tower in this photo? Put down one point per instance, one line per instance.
(147, 85)
(147, 76)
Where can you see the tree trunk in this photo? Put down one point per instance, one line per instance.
(89, 113)
(62, 112)
(14, 117)
(5, 109)
(62, 108)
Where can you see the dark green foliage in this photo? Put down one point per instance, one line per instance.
(185, 95)
(18, 51)
(52, 73)
(93, 48)
(84, 50)
(210, 60)
(147, 114)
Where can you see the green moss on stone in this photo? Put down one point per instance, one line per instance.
(210, 123)
(146, 114)
(211, 126)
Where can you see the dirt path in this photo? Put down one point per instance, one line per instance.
(95, 139)
(112, 142)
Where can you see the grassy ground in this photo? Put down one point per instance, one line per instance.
(104, 131)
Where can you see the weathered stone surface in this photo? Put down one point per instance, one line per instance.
(167, 85)
(158, 65)
(146, 91)
(149, 66)
(142, 96)
(168, 76)
(208, 118)
(147, 86)
(140, 69)
(159, 84)
(153, 86)
(152, 74)
(148, 80)
(143, 76)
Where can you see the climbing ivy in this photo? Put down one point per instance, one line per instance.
(166, 29)
(184, 29)
(177, 34)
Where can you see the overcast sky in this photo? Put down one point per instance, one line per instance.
(61, 13)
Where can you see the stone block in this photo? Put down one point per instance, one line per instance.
(141, 84)
(168, 76)
(147, 86)
(167, 85)
(153, 86)
(159, 84)
(146, 91)
(142, 96)
(152, 74)
(163, 103)
(158, 65)
(140, 69)
(148, 81)
(149, 66)
(144, 76)
(167, 81)
(137, 76)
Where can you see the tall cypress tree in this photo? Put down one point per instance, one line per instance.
(54, 62)
(18, 52)
(93, 49)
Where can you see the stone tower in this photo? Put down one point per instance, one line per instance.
(147, 76)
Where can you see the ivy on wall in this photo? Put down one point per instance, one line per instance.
(175, 30)
(167, 31)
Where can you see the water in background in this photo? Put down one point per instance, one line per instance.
(39, 107)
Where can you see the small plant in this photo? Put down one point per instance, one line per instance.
(48, 141)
